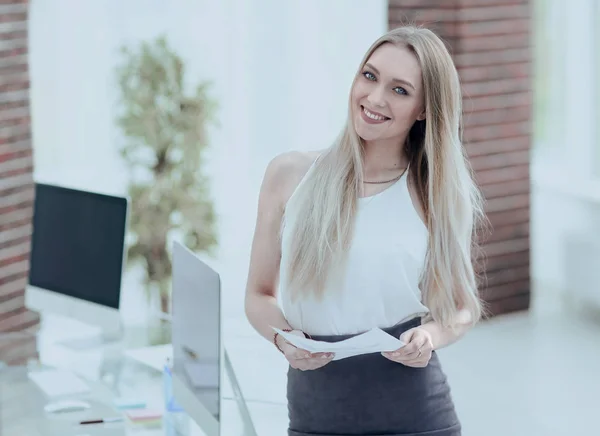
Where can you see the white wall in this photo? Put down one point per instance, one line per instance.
(281, 72)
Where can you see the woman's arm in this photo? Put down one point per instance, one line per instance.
(422, 340)
(442, 337)
(261, 305)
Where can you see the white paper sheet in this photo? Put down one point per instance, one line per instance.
(372, 341)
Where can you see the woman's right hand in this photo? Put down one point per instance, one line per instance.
(302, 359)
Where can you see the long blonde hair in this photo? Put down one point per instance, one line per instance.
(326, 202)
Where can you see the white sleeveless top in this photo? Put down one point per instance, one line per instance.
(379, 286)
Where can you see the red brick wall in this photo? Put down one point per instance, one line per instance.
(16, 180)
(490, 43)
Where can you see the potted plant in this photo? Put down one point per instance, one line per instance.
(165, 137)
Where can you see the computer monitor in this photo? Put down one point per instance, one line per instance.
(196, 338)
(77, 255)
(201, 364)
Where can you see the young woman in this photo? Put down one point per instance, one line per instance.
(376, 231)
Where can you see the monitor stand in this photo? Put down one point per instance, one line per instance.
(74, 323)
(239, 398)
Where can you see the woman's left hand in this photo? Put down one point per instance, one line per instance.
(416, 352)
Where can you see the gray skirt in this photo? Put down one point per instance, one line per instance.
(371, 395)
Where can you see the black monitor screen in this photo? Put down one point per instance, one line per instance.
(77, 245)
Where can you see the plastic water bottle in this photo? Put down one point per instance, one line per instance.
(175, 420)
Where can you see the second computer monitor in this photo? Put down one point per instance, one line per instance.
(196, 338)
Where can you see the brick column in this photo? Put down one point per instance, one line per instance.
(490, 43)
(16, 182)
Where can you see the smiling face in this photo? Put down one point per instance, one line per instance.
(387, 96)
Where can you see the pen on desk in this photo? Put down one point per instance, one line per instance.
(101, 421)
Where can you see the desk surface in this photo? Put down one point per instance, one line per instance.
(109, 374)
(22, 410)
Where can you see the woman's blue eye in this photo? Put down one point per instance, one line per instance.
(368, 75)
(398, 90)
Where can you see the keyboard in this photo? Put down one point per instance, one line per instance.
(58, 383)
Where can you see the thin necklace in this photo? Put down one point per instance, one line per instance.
(387, 181)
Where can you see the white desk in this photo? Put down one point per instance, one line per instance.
(114, 375)
(22, 412)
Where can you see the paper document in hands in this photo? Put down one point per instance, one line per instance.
(372, 341)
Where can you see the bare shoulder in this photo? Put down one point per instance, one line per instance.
(292, 163)
(285, 171)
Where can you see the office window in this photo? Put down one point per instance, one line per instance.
(596, 169)
(549, 76)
